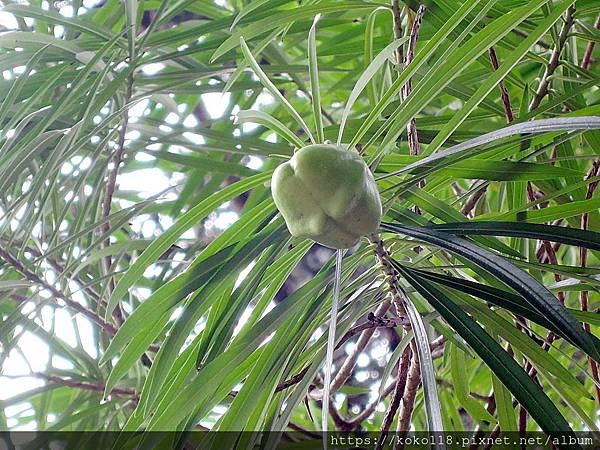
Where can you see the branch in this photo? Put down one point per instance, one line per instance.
(589, 50)
(410, 392)
(370, 408)
(503, 91)
(411, 128)
(60, 270)
(554, 59)
(303, 430)
(371, 324)
(292, 381)
(365, 336)
(479, 193)
(437, 349)
(349, 425)
(547, 245)
(397, 29)
(473, 199)
(34, 278)
(479, 431)
(449, 385)
(341, 424)
(110, 190)
(550, 252)
(522, 425)
(384, 258)
(525, 36)
(403, 367)
(398, 298)
(97, 387)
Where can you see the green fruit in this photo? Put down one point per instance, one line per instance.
(327, 194)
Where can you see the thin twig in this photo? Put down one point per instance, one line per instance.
(365, 336)
(19, 298)
(437, 347)
(397, 28)
(550, 257)
(98, 387)
(548, 247)
(34, 278)
(60, 271)
(532, 372)
(292, 381)
(473, 199)
(304, 431)
(372, 323)
(348, 365)
(398, 299)
(503, 91)
(369, 409)
(469, 206)
(410, 392)
(445, 383)
(479, 432)
(110, 190)
(522, 425)
(341, 424)
(525, 36)
(554, 59)
(541, 252)
(437, 351)
(411, 128)
(492, 437)
(397, 395)
(589, 49)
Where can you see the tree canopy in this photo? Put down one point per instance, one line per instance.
(148, 282)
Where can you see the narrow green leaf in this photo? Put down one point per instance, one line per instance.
(368, 53)
(485, 169)
(525, 390)
(504, 407)
(262, 118)
(268, 84)
(460, 381)
(261, 26)
(52, 16)
(496, 76)
(565, 235)
(20, 83)
(368, 74)
(542, 300)
(131, 15)
(170, 236)
(246, 10)
(432, 401)
(313, 69)
(453, 154)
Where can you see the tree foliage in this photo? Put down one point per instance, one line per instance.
(148, 281)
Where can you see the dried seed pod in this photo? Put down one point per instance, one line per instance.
(328, 194)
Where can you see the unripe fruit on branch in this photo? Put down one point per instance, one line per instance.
(328, 194)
